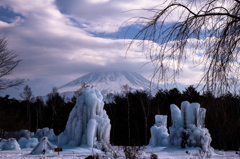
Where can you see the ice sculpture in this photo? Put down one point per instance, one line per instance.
(44, 146)
(27, 143)
(188, 126)
(2, 141)
(159, 132)
(46, 132)
(11, 144)
(24, 133)
(88, 124)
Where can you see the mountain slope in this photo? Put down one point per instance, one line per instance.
(107, 82)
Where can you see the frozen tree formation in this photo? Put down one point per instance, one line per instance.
(159, 132)
(11, 144)
(2, 141)
(24, 133)
(188, 127)
(46, 132)
(88, 124)
(27, 143)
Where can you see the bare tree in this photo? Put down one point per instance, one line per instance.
(126, 89)
(52, 101)
(27, 95)
(79, 91)
(209, 28)
(8, 61)
(114, 113)
(146, 110)
(38, 106)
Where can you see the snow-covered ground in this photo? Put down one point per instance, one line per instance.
(81, 153)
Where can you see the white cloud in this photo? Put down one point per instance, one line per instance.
(98, 1)
(105, 17)
(48, 42)
(54, 49)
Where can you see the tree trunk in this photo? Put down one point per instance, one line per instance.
(146, 114)
(146, 129)
(28, 116)
(37, 121)
(129, 131)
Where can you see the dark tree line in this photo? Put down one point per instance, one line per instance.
(33, 113)
(131, 114)
(222, 117)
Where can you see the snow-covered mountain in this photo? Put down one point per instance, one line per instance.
(106, 82)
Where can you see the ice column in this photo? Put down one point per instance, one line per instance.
(88, 124)
(201, 117)
(188, 126)
(159, 133)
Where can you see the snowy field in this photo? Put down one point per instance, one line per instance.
(81, 153)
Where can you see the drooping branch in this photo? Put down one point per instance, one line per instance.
(8, 61)
(206, 34)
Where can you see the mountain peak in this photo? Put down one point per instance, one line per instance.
(107, 82)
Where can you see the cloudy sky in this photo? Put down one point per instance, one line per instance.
(61, 40)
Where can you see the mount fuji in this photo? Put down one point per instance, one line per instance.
(106, 82)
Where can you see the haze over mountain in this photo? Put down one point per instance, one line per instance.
(106, 82)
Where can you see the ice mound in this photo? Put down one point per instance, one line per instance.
(45, 132)
(28, 143)
(44, 146)
(11, 144)
(159, 132)
(88, 124)
(2, 141)
(24, 133)
(188, 126)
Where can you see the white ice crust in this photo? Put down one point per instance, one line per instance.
(88, 124)
(11, 144)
